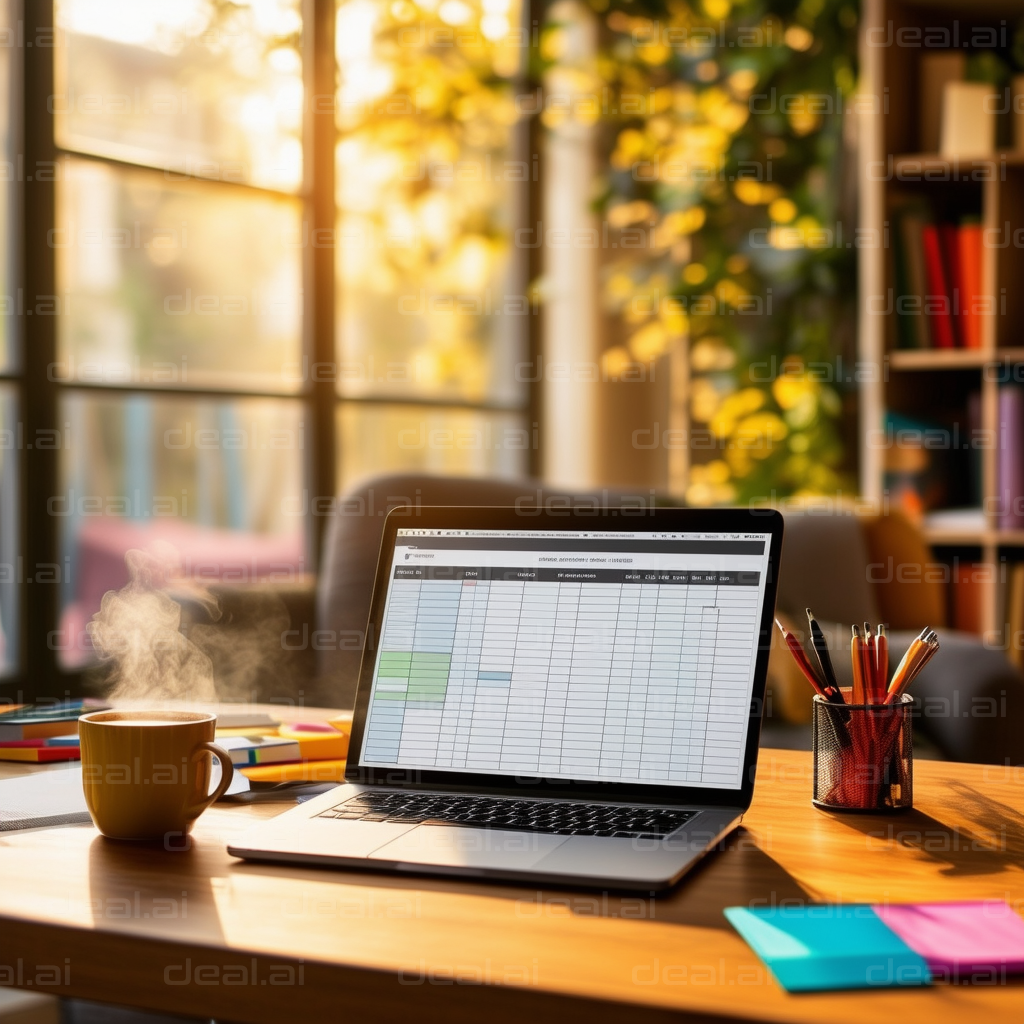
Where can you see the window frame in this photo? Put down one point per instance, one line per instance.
(33, 276)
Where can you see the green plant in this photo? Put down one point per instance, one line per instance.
(723, 125)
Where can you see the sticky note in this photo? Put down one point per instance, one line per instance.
(964, 938)
(822, 947)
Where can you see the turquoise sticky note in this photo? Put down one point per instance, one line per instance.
(821, 947)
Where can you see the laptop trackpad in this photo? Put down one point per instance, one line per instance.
(468, 847)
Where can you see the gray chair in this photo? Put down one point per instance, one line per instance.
(353, 541)
(970, 698)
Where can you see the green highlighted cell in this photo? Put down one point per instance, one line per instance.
(425, 675)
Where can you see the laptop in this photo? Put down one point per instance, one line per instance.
(556, 696)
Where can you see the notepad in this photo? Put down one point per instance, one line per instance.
(958, 940)
(822, 947)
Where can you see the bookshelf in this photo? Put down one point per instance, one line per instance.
(925, 383)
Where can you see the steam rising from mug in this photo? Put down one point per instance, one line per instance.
(139, 633)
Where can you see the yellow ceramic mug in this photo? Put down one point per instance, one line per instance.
(147, 773)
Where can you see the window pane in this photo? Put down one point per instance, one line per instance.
(221, 481)
(430, 189)
(9, 619)
(188, 284)
(375, 439)
(197, 86)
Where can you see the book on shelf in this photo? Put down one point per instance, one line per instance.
(1013, 616)
(935, 70)
(937, 269)
(1010, 459)
(969, 580)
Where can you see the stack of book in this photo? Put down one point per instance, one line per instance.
(260, 747)
(42, 733)
(938, 273)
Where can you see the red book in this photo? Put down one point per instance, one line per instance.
(949, 243)
(971, 299)
(40, 754)
(937, 303)
(968, 587)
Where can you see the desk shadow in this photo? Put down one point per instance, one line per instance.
(991, 842)
(144, 887)
(737, 872)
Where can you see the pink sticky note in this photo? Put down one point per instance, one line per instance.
(981, 935)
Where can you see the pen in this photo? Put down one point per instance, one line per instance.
(870, 667)
(882, 660)
(921, 651)
(820, 645)
(831, 693)
(800, 657)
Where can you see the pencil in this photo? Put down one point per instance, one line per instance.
(859, 696)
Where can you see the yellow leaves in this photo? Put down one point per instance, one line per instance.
(717, 9)
(655, 53)
(704, 400)
(735, 407)
(709, 485)
(753, 193)
(806, 233)
(711, 354)
(695, 273)
(805, 112)
(729, 292)
(684, 222)
(782, 210)
(798, 38)
(755, 437)
(618, 288)
(624, 214)
(737, 263)
(742, 82)
(649, 342)
(630, 146)
(615, 361)
(797, 393)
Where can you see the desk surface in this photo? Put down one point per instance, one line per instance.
(199, 932)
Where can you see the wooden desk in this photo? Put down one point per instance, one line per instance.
(201, 933)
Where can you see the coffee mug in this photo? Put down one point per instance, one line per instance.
(147, 773)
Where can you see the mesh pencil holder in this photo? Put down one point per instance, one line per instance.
(863, 756)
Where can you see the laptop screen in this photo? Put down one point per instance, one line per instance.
(590, 656)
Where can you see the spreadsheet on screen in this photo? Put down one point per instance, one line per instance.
(593, 656)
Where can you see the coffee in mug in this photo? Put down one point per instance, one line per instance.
(147, 773)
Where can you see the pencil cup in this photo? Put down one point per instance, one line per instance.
(863, 756)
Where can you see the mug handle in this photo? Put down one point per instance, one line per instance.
(227, 771)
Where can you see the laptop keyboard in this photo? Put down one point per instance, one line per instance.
(554, 817)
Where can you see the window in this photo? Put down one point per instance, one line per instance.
(276, 241)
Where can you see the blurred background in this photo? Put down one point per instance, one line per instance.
(273, 248)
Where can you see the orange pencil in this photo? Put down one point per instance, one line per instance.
(859, 695)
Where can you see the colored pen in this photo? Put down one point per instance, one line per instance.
(820, 646)
(921, 651)
(882, 660)
(830, 693)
